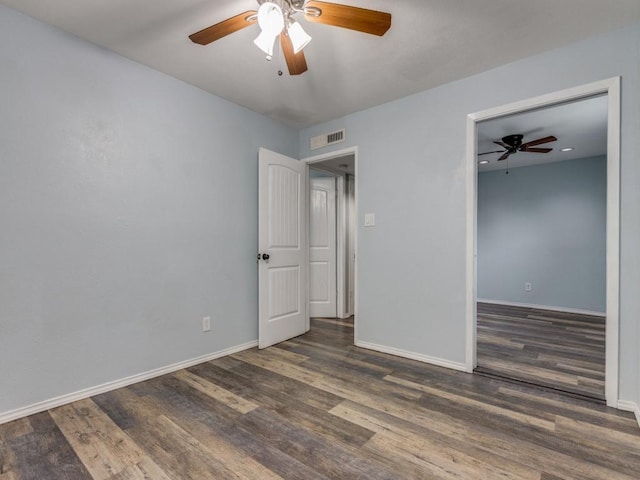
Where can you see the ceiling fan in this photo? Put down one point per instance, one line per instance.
(513, 144)
(275, 18)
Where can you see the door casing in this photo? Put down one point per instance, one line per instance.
(341, 245)
(611, 88)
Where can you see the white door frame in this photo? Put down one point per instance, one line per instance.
(610, 87)
(341, 252)
(341, 225)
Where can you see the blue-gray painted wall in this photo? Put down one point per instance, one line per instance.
(128, 211)
(412, 174)
(546, 225)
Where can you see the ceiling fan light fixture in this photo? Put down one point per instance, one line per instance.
(299, 38)
(271, 22)
(265, 42)
(270, 18)
(274, 17)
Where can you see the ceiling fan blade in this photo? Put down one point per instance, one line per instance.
(548, 139)
(502, 144)
(296, 62)
(224, 28)
(504, 157)
(537, 150)
(353, 18)
(495, 151)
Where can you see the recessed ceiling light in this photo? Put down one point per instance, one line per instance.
(483, 162)
(566, 149)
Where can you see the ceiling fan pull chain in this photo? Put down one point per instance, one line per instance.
(280, 57)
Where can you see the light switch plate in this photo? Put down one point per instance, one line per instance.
(369, 219)
(206, 324)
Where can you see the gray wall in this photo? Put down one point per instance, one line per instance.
(412, 175)
(128, 211)
(544, 224)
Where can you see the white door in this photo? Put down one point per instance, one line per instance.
(282, 248)
(322, 247)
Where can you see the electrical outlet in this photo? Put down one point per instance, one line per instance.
(206, 324)
(527, 287)
(369, 220)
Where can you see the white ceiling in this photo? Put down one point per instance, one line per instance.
(581, 125)
(430, 42)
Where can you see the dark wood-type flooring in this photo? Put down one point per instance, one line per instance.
(559, 350)
(316, 407)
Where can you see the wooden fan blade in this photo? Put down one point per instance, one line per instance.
(224, 28)
(504, 157)
(296, 62)
(548, 139)
(495, 151)
(353, 18)
(537, 150)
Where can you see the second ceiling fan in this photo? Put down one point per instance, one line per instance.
(513, 144)
(275, 18)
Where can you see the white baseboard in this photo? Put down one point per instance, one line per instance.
(109, 386)
(543, 307)
(630, 407)
(440, 362)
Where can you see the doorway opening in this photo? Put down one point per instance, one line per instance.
(513, 321)
(542, 247)
(332, 236)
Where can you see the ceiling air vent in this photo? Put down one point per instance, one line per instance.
(326, 139)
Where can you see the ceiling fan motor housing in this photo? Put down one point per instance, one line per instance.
(514, 141)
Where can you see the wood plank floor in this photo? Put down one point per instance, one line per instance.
(316, 407)
(563, 351)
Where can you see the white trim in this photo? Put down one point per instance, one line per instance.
(628, 406)
(440, 362)
(471, 346)
(326, 156)
(610, 87)
(543, 307)
(333, 154)
(613, 244)
(356, 252)
(351, 226)
(113, 385)
(341, 252)
(306, 226)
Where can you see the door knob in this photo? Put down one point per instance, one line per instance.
(265, 256)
